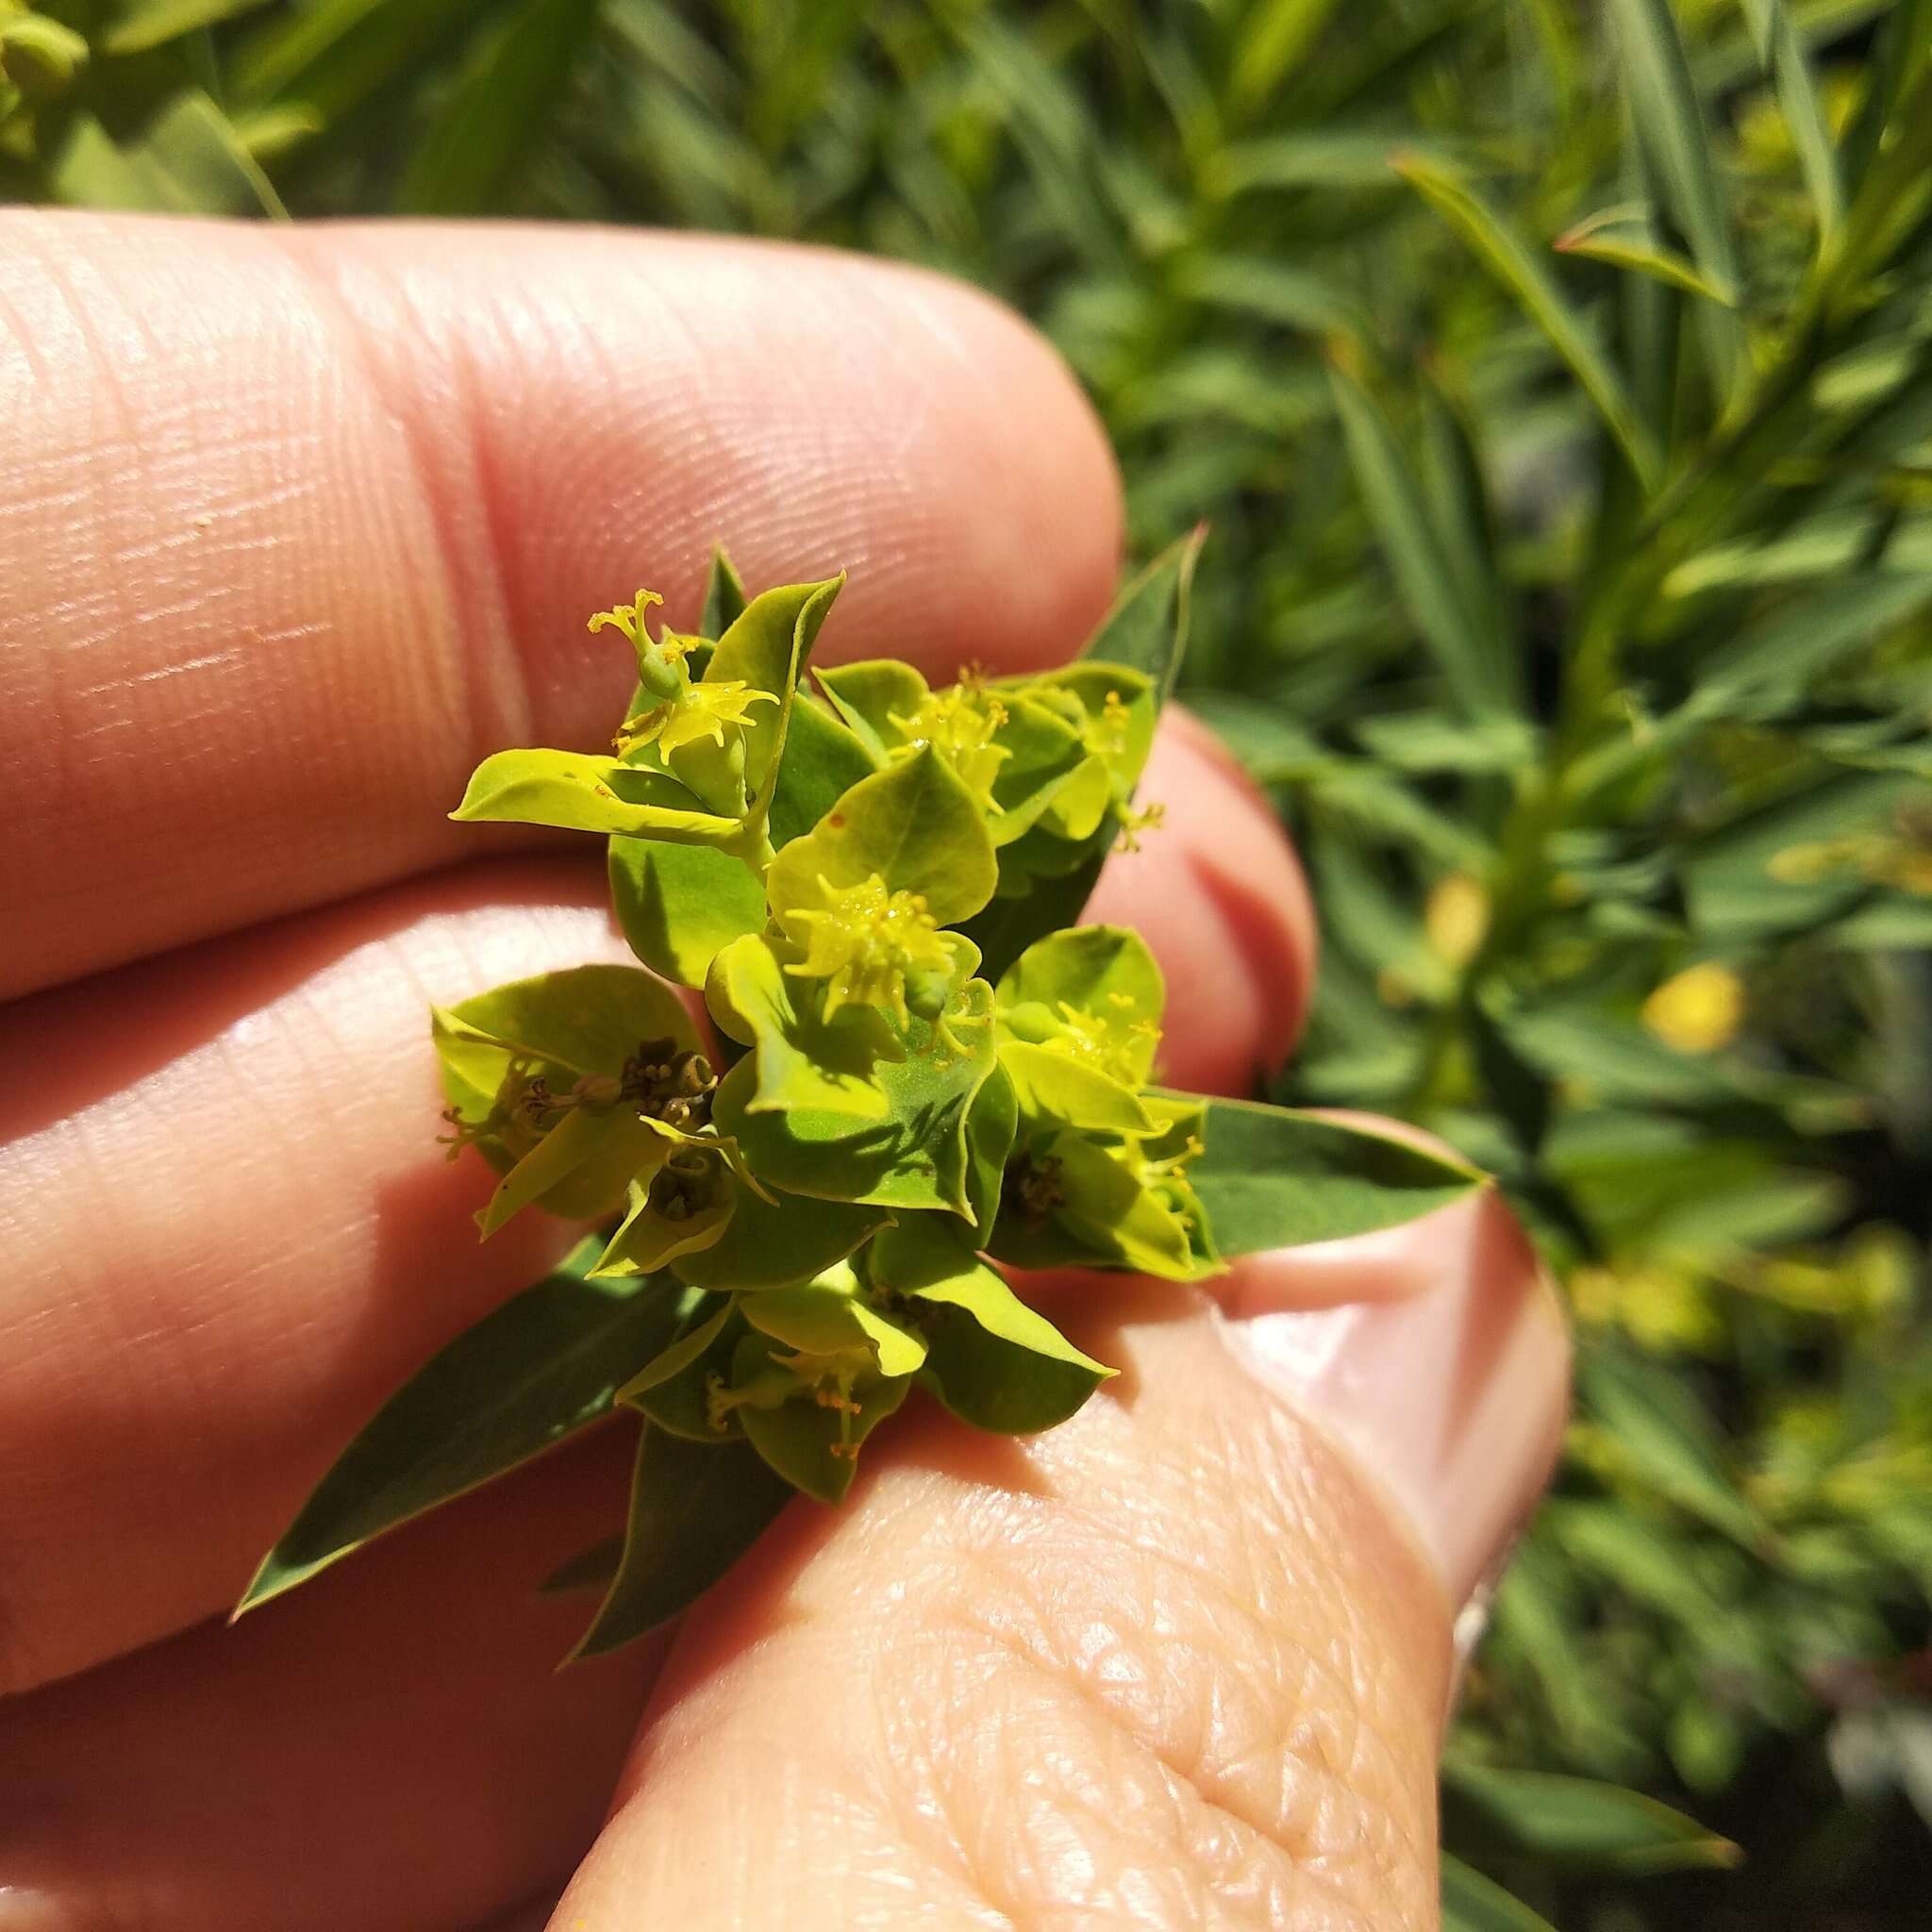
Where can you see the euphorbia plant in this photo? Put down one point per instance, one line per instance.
(914, 1068)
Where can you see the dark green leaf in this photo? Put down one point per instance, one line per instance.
(514, 81)
(1272, 1178)
(1147, 627)
(1471, 1903)
(1530, 283)
(139, 25)
(694, 1510)
(1668, 1439)
(1576, 1825)
(541, 1367)
(1474, 658)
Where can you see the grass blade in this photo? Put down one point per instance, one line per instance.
(154, 22)
(1477, 660)
(1625, 241)
(1273, 38)
(1525, 278)
(516, 77)
(1669, 120)
(1784, 66)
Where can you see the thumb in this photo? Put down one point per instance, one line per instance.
(1183, 1661)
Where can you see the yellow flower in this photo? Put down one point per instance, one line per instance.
(864, 941)
(959, 724)
(698, 711)
(1697, 1010)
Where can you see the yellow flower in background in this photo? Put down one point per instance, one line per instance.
(1698, 1011)
(1456, 918)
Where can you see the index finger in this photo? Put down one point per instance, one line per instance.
(300, 525)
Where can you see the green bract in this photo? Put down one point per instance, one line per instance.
(913, 1063)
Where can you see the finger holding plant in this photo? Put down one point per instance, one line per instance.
(916, 1067)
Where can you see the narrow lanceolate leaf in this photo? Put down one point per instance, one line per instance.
(1477, 660)
(1769, 668)
(1578, 1824)
(1782, 57)
(1273, 1177)
(1622, 242)
(1668, 1439)
(147, 24)
(1471, 1903)
(517, 77)
(541, 1367)
(694, 1510)
(187, 159)
(1527, 279)
(1274, 36)
(1669, 119)
(334, 54)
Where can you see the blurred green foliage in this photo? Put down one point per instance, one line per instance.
(1571, 485)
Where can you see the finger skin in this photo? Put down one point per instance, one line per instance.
(390, 1749)
(1173, 1664)
(301, 523)
(231, 1233)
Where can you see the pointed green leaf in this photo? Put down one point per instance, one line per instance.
(1272, 1178)
(578, 791)
(186, 157)
(1146, 628)
(829, 1319)
(1471, 1903)
(1622, 242)
(1669, 119)
(1576, 1825)
(540, 1367)
(518, 74)
(678, 1355)
(992, 1361)
(591, 1568)
(914, 826)
(725, 596)
(694, 1510)
(671, 1214)
(1506, 258)
(679, 1400)
(1474, 659)
(1785, 65)
(139, 25)
(766, 647)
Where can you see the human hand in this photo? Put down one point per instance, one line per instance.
(298, 524)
